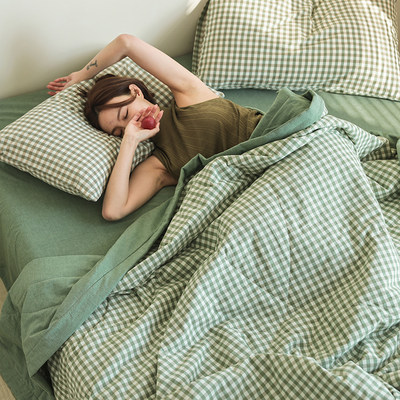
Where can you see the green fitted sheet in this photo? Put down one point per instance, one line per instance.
(37, 220)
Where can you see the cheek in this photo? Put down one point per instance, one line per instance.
(133, 109)
(101, 119)
(137, 106)
(104, 121)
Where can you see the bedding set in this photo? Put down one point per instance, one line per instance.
(271, 270)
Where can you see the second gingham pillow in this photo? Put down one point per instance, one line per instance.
(55, 143)
(343, 46)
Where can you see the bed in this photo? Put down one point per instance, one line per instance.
(270, 271)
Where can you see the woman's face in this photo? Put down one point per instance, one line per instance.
(114, 120)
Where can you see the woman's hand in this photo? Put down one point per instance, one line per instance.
(134, 130)
(62, 83)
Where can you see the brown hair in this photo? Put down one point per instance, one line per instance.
(106, 88)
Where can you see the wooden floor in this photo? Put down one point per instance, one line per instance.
(5, 393)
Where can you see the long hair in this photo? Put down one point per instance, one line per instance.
(106, 88)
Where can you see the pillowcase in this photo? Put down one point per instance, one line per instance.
(342, 46)
(55, 143)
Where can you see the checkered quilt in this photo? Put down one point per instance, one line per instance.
(277, 278)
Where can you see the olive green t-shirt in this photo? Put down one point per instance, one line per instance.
(205, 128)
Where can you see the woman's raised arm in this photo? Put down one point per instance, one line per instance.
(112, 53)
(185, 86)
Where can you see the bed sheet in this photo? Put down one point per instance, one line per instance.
(37, 221)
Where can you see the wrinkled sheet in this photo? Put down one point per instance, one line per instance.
(277, 277)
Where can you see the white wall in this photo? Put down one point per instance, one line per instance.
(43, 39)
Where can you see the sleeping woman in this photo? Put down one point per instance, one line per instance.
(197, 121)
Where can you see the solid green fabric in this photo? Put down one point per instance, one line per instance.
(37, 220)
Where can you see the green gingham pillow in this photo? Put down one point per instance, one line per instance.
(343, 46)
(56, 144)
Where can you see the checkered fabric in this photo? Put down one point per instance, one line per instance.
(277, 278)
(55, 143)
(343, 46)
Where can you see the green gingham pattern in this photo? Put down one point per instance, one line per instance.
(277, 278)
(55, 143)
(343, 46)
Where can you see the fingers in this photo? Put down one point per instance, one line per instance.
(153, 111)
(63, 79)
(134, 131)
(57, 85)
(149, 133)
(60, 81)
(159, 116)
(53, 90)
(136, 119)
